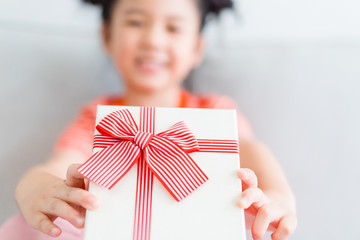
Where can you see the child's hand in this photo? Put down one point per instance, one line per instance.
(43, 197)
(268, 214)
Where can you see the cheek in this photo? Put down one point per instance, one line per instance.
(123, 50)
(183, 55)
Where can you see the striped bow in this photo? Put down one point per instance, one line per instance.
(166, 154)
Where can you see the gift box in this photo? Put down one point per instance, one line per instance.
(164, 173)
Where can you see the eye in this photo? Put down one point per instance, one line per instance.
(134, 23)
(173, 28)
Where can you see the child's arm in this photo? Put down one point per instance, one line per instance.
(46, 192)
(266, 194)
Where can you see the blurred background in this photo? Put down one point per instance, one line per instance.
(292, 66)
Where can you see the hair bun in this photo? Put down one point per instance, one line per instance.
(95, 2)
(216, 6)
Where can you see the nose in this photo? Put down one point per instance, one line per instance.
(142, 139)
(154, 36)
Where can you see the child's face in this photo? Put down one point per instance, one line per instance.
(154, 43)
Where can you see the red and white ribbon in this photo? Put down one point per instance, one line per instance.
(165, 155)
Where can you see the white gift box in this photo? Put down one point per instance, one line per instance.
(210, 212)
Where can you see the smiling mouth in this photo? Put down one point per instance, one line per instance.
(150, 66)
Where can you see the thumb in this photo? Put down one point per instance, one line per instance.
(74, 178)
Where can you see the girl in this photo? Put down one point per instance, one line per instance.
(154, 44)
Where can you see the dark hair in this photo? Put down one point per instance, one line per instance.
(207, 8)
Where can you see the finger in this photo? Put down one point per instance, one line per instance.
(285, 228)
(87, 182)
(45, 225)
(252, 196)
(57, 207)
(247, 177)
(78, 197)
(82, 211)
(74, 178)
(265, 215)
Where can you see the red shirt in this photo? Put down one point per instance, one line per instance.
(78, 136)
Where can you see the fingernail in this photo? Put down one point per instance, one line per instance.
(94, 202)
(245, 174)
(55, 231)
(79, 221)
(243, 201)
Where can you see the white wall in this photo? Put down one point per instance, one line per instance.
(295, 21)
(298, 20)
(292, 66)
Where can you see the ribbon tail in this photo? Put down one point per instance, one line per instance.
(109, 165)
(174, 168)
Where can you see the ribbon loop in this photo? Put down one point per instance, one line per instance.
(180, 134)
(119, 124)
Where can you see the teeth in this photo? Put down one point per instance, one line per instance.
(150, 64)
